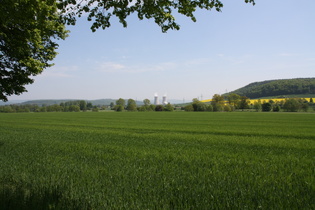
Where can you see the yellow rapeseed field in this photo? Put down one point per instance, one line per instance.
(252, 101)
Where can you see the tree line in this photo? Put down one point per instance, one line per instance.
(147, 106)
(219, 103)
(233, 102)
(69, 106)
(81, 105)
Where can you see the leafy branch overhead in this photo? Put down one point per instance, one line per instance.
(29, 29)
(100, 11)
(28, 33)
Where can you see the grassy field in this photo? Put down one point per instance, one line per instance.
(157, 160)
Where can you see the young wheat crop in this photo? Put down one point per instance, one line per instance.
(155, 160)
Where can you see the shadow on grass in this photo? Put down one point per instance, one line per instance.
(22, 198)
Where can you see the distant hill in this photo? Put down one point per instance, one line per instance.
(102, 102)
(2, 103)
(47, 102)
(98, 102)
(283, 87)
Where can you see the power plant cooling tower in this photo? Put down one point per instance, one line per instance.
(164, 100)
(156, 99)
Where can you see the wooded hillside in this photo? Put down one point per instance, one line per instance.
(277, 88)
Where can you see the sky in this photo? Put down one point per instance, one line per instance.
(221, 52)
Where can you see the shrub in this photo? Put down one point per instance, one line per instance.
(217, 107)
(291, 105)
(132, 107)
(276, 108)
(159, 108)
(74, 108)
(257, 106)
(210, 108)
(227, 108)
(201, 107)
(95, 109)
(119, 108)
(142, 108)
(189, 108)
(168, 107)
(266, 107)
(151, 107)
(304, 107)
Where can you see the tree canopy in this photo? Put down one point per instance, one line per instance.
(28, 33)
(29, 29)
(121, 102)
(100, 11)
(131, 105)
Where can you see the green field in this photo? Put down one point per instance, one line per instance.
(157, 160)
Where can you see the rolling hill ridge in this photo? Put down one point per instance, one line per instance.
(280, 87)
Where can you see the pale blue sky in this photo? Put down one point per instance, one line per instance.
(275, 39)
